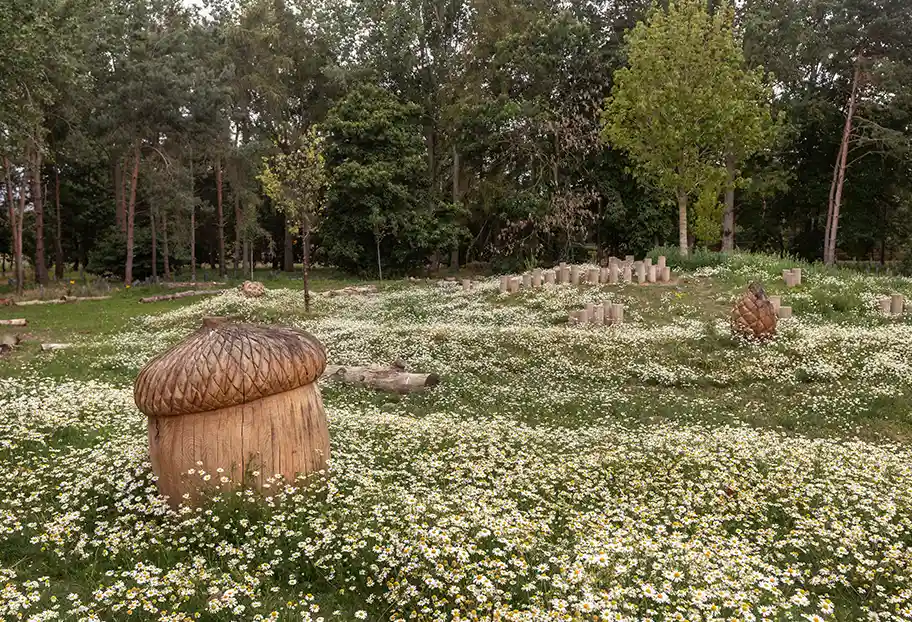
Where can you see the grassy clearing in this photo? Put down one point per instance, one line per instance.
(659, 470)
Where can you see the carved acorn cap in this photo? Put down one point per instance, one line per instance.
(224, 364)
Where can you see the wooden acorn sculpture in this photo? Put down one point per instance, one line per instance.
(753, 315)
(237, 397)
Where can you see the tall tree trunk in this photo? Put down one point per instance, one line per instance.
(829, 221)
(728, 214)
(41, 273)
(164, 223)
(119, 215)
(247, 263)
(192, 225)
(153, 221)
(305, 261)
(220, 216)
(58, 238)
(238, 259)
(124, 192)
(131, 215)
(830, 255)
(15, 223)
(454, 253)
(288, 259)
(682, 223)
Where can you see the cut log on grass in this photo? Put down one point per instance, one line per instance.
(177, 285)
(60, 301)
(16, 322)
(49, 347)
(392, 379)
(195, 292)
(354, 290)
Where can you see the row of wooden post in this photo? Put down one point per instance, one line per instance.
(606, 313)
(893, 305)
(616, 271)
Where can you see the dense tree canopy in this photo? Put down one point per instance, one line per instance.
(456, 130)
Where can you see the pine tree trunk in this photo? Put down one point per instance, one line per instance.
(288, 263)
(682, 223)
(829, 221)
(164, 222)
(454, 253)
(15, 224)
(131, 216)
(247, 263)
(58, 238)
(118, 195)
(305, 261)
(830, 255)
(220, 215)
(41, 273)
(237, 232)
(192, 225)
(728, 214)
(124, 191)
(154, 223)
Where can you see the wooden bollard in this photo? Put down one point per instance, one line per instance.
(504, 284)
(661, 262)
(606, 312)
(590, 310)
(666, 274)
(574, 275)
(564, 275)
(777, 301)
(514, 284)
(594, 276)
(527, 281)
(603, 275)
(641, 272)
(574, 317)
(627, 274)
(613, 273)
(886, 304)
(537, 279)
(583, 317)
(630, 259)
(784, 312)
(617, 312)
(466, 285)
(648, 262)
(651, 273)
(549, 277)
(796, 276)
(896, 304)
(787, 277)
(599, 318)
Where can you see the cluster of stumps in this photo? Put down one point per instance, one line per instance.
(617, 271)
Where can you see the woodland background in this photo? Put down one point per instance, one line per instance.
(456, 131)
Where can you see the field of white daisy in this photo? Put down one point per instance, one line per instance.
(656, 470)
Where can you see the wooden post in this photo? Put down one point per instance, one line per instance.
(651, 273)
(514, 284)
(549, 277)
(527, 281)
(666, 274)
(618, 311)
(594, 276)
(574, 275)
(537, 279)
(661, 262)
(590, 310)
(466, 285)
(885, 305)
(564, 275)
(896, 304)
(613, 274)
(777, 301)
(630, 259)
(599, 315)
(504, 284)
(628, 273)
(641, 272)
(796, 276)
(603, 275)
(784, 312)
(574, 317)
(648, 262)
(583, 317)
(613, 260)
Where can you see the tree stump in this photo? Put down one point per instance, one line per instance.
(896, 304)
(253, 289)
(504, 284)
(238, 397)
(885, 305)
(549, 277)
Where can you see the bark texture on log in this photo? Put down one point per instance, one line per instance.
(392, 379)
(16, 322)
(201, 292)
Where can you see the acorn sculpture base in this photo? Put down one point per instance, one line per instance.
(285, 434)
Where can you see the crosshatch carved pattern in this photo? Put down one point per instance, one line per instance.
(753, 315)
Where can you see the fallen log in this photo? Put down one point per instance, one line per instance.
(16, 322)
(60, 301)
(353, 290)
(170, 285)
(194, 292)
(48, 347)
(392, 379)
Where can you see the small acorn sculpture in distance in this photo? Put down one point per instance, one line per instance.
(753, 315)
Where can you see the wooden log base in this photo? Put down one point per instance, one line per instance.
(187, 294)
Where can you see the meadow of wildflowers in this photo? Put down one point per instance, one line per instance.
(658, 470)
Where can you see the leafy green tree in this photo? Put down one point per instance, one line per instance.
(296, 183)
(378, 201)
(684, 96)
